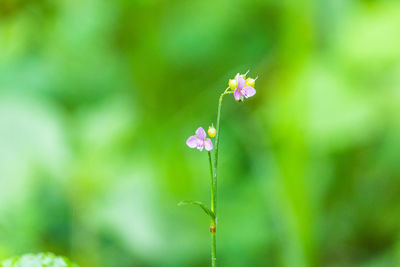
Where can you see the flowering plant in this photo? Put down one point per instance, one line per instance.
(241, 88)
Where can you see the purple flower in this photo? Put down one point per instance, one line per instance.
(199, 140)
(243, 88)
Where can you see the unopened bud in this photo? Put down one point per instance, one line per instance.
(250, 82)
(211, 131)
(232, 84)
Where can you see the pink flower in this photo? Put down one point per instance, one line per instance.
(199, 140)
(243, 89)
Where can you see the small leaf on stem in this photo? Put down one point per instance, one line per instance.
(200, 204)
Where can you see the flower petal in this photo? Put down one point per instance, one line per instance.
(236, 94)
(201, 133)
(192, 141)
(248, 91)
(200, 145)
(240, 81)
(208, 145)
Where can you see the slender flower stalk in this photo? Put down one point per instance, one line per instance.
(241, 88)
(213, 219)
(213, 226)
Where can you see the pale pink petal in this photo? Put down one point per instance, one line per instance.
(192, 141)
(236, 94)
(240, 82)
(201, 133)
(208, 145)
(200, 145)
(248, 91)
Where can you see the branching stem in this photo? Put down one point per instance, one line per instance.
(214, 174)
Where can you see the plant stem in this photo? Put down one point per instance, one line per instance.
(213, 226)
(213, 248)
(211, 181)
(212, 223)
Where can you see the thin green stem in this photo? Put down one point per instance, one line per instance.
(213, 249)
(212, 223)
(211, 180)
(214, 175)
(216, 146)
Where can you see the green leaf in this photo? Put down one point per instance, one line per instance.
(200, 204)
(38, 260)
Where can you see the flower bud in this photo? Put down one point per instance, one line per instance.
(211, 131)
(243, 76)
(250, 82)
(232, 84)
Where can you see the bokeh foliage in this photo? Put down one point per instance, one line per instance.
(38, 260)
(98, 97)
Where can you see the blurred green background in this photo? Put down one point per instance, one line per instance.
(97, 99)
